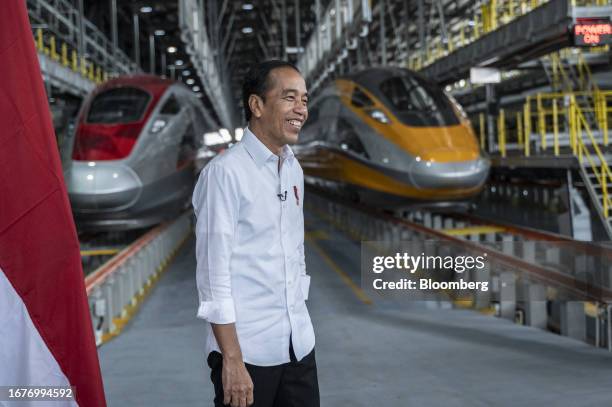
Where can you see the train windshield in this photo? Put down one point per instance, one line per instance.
(417, 102)
(112, 125)
(116, 106)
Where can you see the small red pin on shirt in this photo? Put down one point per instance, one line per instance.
(297, 195)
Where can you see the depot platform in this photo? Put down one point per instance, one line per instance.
(481, 126)
(370, 350)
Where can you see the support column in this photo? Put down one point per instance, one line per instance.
(81, 36)
(573, 320)
(136, 39)
(284, 27)
(483, 298)
(427, 220)
(298, 40)
(490, 99)
(421, 22)
(507, 295)
(437, 222)
(535, 305)
(448, 223)
(383, 43)
(152, 54)
(529, 251)
(114, 28)
(317, 32)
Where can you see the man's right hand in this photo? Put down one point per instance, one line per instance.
(237, 383)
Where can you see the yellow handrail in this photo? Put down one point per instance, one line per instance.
(582, 140)
(541, 121)
(555, 128)
(527, 120)
(604, 193)
(519, 127)
(68, 58)
(501, 132)
(604, 172)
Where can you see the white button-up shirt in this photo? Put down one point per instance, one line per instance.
(250, 251)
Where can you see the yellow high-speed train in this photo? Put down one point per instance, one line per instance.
(391, 137)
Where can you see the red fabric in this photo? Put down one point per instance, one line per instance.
(39, 248)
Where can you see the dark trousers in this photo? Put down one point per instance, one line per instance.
(292, 384)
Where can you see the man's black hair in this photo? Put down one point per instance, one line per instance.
(257, 82)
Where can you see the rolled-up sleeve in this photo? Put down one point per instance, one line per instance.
(216, 205)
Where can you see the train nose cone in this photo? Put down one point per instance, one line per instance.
(101, 186)
(461, 174)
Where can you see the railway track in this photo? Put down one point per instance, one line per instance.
(97, 248)
(528, 267)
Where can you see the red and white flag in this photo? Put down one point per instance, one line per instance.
(46, 335)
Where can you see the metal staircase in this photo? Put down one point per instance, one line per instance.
(598, 182)
(590, 112)
(570, 120)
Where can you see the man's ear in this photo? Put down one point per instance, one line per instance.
(256, 105)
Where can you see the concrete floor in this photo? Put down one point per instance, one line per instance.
(384, 354)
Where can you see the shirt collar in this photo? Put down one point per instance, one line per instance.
(259, 152)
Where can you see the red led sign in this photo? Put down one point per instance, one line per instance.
(592, 31)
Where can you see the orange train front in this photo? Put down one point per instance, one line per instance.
(391, 137)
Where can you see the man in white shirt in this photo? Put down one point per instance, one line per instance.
(251, 273)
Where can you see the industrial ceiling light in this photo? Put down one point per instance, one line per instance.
(146, 9)
(159, 33)
(171, 50)
(196, 88)
(190, 81)
(247, 30)
(247, 6)
(295, 50)
(186, 72)
(179, 62)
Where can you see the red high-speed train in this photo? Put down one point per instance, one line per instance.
(133, 158)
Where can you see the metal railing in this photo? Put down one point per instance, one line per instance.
(66, 37)
(335, 34)
(516, 266)
(205, 60)
(568, 123)
(570, 72)
(116, 289)
(488, 17)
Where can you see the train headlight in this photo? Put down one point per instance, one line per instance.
(379, 116)
(158, 125)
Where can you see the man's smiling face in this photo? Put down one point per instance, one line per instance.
(284, 110)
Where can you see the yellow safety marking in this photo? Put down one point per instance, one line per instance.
(487, 310)
(356, 289)
(590, 309)
(130, 309)
(464, 302)
(474, 230)
(317, 235)
(100, 252)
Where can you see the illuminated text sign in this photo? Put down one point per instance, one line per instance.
(592, 31)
